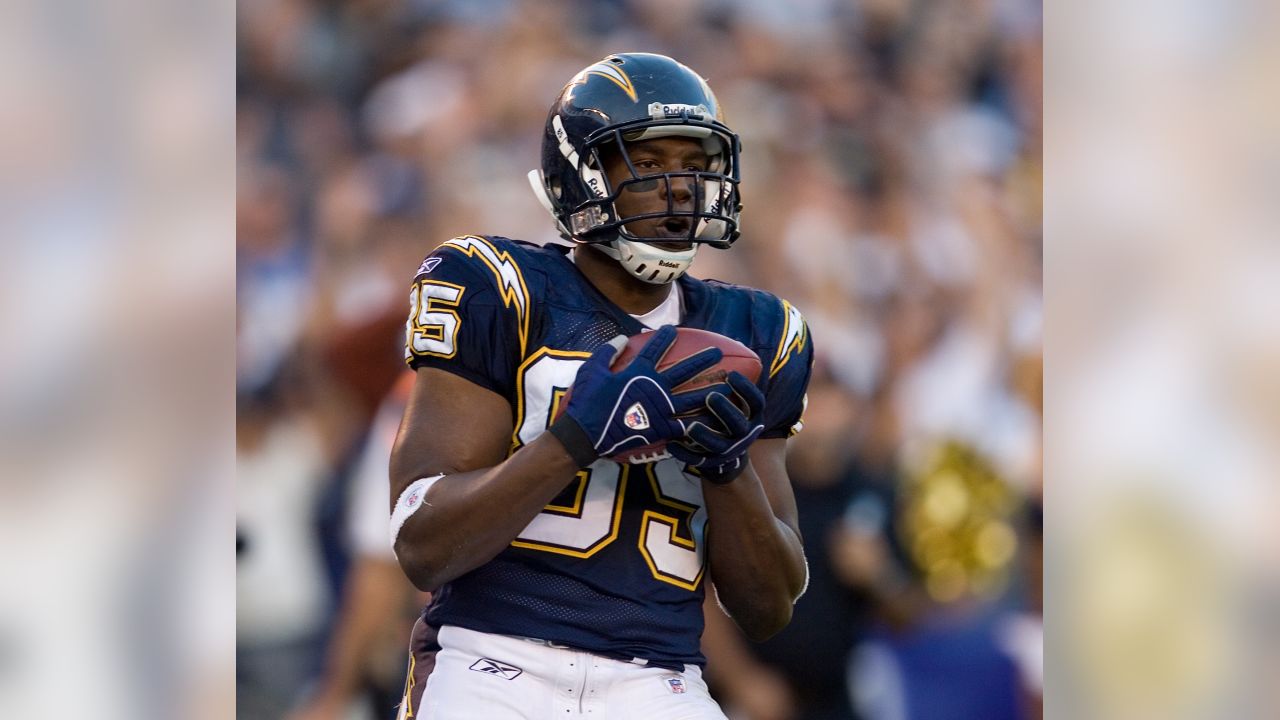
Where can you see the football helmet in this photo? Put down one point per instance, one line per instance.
(626, 98)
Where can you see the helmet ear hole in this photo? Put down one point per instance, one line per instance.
(553, 184)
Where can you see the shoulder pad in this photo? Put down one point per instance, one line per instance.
(508, 278)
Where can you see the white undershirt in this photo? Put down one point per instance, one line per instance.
(668, 311)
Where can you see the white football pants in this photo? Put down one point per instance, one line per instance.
(479, 676)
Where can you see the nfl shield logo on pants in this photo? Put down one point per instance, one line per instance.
(676, 685)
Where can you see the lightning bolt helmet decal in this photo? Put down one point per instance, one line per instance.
(611, 72)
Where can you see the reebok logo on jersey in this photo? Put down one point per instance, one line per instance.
(428, 265)
(493, 667)
(675, 685)
(635, 418)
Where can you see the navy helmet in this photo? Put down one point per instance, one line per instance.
(626, 98)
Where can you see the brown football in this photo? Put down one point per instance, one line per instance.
(689, 341)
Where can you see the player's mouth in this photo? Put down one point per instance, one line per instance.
(672, 227)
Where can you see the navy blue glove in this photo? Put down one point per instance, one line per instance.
(613, 412)
(719, 454)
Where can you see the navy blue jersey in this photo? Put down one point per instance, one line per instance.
(615, 564)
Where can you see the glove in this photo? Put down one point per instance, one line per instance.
(611, 412)
(720, 454)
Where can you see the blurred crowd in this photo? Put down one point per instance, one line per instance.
(892, 192)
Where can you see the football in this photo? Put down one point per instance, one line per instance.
(689, 341)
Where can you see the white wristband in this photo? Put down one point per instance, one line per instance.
(410, 501)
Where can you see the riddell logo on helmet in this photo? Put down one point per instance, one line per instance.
(661, 111)
(665, 264)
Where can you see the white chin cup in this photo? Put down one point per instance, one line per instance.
(650, 263)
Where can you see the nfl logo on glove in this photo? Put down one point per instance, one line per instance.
(635, 418)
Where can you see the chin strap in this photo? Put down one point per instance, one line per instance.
(649, 263)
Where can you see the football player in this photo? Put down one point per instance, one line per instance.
(565, 583)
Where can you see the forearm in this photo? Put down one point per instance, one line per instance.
(757, 561)
(467, 518)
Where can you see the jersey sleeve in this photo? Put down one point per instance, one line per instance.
(789, 369)
(467, 309)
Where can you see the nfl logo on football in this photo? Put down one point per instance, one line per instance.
(676, 684)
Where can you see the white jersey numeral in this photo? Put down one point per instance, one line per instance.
(672, 529)
(433, 324)
(585, 525)
(541, 383)
(671, 539)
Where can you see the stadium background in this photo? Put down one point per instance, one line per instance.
(892, 180)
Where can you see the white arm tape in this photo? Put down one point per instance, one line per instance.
(413, 498)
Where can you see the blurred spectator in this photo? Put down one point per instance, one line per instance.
(363, 669)
(935, 557)
(281, 590)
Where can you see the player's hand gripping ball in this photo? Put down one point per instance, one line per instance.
(716, 444)
(682, 363)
